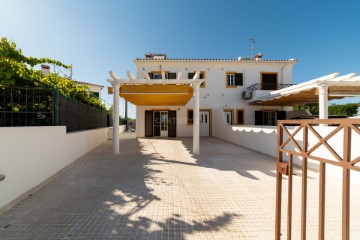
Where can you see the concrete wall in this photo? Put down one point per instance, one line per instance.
(259, 138)
(30, 156)
(122, 128)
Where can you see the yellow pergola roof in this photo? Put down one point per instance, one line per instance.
(156, 95)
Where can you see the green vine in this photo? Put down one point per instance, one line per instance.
(18, 70)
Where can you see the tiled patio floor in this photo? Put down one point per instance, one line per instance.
(155, 189)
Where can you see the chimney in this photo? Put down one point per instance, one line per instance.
(258, 56)
(45, 69)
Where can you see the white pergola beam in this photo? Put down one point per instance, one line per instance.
(116, 82)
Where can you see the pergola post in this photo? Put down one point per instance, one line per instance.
(323, 101)
(116, 144)
(196, 119)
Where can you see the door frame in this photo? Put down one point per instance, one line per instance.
(153, 111)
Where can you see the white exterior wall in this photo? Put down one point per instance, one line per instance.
(263, 139)
(215, 95)
(30, 156)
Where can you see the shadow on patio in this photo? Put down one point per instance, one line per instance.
(136, 195)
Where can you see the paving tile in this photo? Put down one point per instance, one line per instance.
(156, 189)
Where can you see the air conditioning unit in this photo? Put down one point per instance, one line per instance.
(246, 94)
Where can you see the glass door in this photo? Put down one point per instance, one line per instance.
(163, 124)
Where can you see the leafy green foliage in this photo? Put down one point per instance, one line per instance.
(17, 70)
(312, 107)
(348, 110)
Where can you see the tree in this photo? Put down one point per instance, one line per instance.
(18, 70)
(312, 107)
(347, 110)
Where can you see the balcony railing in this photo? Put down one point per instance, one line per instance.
(268, 86)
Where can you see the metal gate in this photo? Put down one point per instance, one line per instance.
(300, 139)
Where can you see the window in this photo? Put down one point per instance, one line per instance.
(234, 79)
(240, 117)
(269, 81)
(229, 116)
(158, 75)
(190, 116)
(269, 117)
(202, 76)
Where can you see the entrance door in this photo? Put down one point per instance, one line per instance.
(204, 123)
(163, 124)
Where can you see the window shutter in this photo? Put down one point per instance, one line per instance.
(191, 75)
(259, 118)
(240, 117)
(172, 75)
(281, 115)
(238, 79)
(148, 123)
(151, 75)
(190, 116)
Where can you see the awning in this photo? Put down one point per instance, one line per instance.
(163, 92)
(157, 95)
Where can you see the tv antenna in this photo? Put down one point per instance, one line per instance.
(252, 46)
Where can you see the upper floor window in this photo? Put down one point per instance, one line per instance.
(269, 81)
(234, 79)
(158, 75)
(202, 76)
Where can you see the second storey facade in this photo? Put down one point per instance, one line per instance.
(228, 87)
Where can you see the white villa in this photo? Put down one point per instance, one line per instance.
(230, 85)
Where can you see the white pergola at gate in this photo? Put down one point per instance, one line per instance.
(320, 90)
(157, 92)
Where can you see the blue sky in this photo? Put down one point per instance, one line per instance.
(98, 36)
